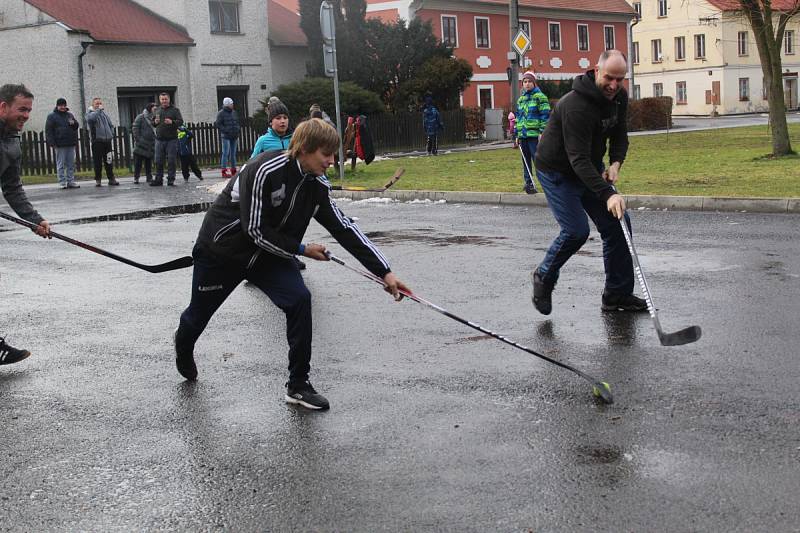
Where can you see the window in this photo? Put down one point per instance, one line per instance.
(742, 40)
(224, 16)
(658, 90)
(486, 96)
(637, 92)
(583, 37)
(481, 32)
(637, 6)
(680, 48)
(608, 33)
(449, 31)
(525, 26)
(788, 42)
(239, 95)
(662, 8)
(700, 46)
(680, 93)
(635, 53)
(655, 48)
(555, 35)
(744, 89)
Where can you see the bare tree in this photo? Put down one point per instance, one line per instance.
(768, 22)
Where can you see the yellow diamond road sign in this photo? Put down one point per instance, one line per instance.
(521, 43)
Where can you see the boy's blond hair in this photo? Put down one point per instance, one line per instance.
(312, 135)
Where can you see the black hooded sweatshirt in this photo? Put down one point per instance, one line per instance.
(583, 122)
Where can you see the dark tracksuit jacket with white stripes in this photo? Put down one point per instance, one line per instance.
(266, 209)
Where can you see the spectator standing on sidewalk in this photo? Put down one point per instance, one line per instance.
(185, 152)
(432, 122)
(589, 120)
(61, 132)
(144, 138)
(101, 133)
(533, 111)
(166, 119)
(16, 104)
(228, 125)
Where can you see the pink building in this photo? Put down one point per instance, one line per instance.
(567, 37)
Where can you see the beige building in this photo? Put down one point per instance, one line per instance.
(704, 55)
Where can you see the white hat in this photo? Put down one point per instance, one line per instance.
(227, 101)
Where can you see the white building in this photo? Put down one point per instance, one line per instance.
(703, 54)
(128, 52)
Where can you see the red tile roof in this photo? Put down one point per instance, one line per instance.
(735, 5)
(283, 18)
(595, 6)
(117, 21)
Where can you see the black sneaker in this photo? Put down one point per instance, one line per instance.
(305, 395)
(9, 354)
(530, 189)
(623, 302)
(157, 183)
(542, 293)
(184, 359)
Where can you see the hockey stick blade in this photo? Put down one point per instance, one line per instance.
(175, 264)
(684, 336)
(600, 389)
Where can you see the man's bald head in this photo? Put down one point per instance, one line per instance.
(610, 72)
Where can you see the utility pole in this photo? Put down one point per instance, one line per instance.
(328, 26)
(513, 29)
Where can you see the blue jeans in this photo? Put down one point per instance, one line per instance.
(528, 153)
(570, 201)
(65, 164)
(280, 279)
(228, 153)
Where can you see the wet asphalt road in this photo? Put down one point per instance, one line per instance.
(433, 427)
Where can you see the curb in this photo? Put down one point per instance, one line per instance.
(673, 203)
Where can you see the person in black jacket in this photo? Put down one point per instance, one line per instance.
(61, 133)
(166, 120)
(254, 229)
(16, 104)
(569, 165)
(228, 125)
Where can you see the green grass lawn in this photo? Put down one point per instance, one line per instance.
(725, 162)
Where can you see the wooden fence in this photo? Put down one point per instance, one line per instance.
(390, 133)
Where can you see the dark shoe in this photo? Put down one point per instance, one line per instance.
(186, 179)
(156, 183)
(184, 359)
(9, 354)
(149, 179)
(98, 183)
(299, 264)
(136, 181)
(200, 177)
(623, 302)
(171, 183)
(305, 395)
(530, 189)
(542, 293)
(113, 181)
(73, 185)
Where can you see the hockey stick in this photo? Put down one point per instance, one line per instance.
(392, 181)
(600, 389)
(181, 262)
(525, 162)
(684, 336)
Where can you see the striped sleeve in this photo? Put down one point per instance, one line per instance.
(252, 183)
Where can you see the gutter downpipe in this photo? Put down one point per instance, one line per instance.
(631, 24)
(85, 46)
